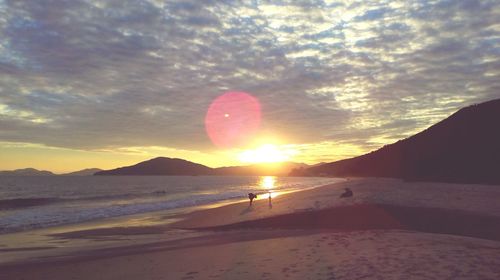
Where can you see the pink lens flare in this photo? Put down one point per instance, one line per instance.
(233, 119)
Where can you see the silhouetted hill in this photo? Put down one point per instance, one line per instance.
(26, 172)
(261, 169)
(83, 172)
(170, 166)
(463, 148)
(161, 166)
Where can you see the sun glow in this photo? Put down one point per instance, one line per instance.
(267, 153)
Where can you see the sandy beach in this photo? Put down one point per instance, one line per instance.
(389, 229)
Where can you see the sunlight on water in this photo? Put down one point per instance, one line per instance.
(267, 183)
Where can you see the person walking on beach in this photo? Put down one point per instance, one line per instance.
(251, 196)
(270, 201)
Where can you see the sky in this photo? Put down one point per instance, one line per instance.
(111, 83)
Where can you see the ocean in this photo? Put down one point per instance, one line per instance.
(43, 201)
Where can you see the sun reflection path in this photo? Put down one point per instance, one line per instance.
(233, 119)
(268, 184)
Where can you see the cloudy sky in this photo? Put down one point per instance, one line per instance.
(108, 83)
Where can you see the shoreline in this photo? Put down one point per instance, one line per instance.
(383, 213)
(124, 217)
(113, 232)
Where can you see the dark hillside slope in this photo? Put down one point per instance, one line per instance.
(463, 148)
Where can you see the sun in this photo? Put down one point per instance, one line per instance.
(267, 153)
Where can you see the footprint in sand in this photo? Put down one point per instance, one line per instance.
(265, 274)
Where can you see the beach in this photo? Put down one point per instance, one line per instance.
(389, 229)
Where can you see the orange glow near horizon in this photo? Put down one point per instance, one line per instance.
(267, 153)
(24, 155)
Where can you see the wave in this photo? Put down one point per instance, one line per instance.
(121, 196)
(14, 203)
(24, 220)
(69, 207)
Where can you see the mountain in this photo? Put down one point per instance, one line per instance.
(26, 172)
(174, 166)
(463, 148)
(83, 172)
(161, 166)
(261, 169)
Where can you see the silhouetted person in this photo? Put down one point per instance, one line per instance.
(270, 201)
(347, 193)
(251, 196)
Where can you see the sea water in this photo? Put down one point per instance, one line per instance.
(43, 201)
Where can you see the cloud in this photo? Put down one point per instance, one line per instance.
(111, 74)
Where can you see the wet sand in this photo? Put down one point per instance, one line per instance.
(389, 230)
